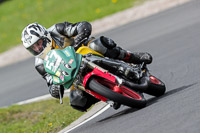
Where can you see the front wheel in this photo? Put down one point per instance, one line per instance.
(126, 96)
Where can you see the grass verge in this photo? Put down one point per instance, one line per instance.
(40, 117)
(16, 14)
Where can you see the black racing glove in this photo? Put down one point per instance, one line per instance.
(54, 90)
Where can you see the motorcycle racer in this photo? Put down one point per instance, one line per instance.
(38, 41)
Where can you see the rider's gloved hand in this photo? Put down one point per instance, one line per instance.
(54, 90)
(78, 43)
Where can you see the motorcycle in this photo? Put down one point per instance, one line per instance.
(100, 76)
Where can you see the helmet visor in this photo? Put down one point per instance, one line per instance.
(38, 47)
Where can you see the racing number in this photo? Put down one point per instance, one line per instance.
(51, 65)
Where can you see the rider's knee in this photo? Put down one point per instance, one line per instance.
(80, 100)
(102, 45)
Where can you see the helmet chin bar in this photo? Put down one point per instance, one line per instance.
(45, 51)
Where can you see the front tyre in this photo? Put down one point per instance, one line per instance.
(127, 96)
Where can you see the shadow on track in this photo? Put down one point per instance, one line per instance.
(149, 102)
(171, 92)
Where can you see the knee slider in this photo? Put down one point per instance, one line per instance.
(105, 46)
(107, 42)
(98, 46)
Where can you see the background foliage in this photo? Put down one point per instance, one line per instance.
(16, 14)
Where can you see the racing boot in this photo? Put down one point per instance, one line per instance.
(136, 57)
(115, 52)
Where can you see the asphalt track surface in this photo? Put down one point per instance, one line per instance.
(173, 39)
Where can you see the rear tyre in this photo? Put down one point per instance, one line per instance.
(156, 87)
(127, 97)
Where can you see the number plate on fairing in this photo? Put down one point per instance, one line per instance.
(61, 64)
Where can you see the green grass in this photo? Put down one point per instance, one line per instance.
(16, 14)
(40, 117)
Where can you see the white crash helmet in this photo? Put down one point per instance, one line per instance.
(31, 34)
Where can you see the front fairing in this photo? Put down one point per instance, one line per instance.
(62, 65)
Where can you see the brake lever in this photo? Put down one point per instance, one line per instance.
(61, 101)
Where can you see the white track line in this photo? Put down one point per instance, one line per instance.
(90, 118)
(36, 99)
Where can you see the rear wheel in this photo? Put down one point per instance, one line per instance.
(122, 94)
(156, 87)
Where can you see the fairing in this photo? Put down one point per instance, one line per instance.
(63, 65)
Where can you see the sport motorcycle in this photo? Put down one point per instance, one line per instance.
(102, 77)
